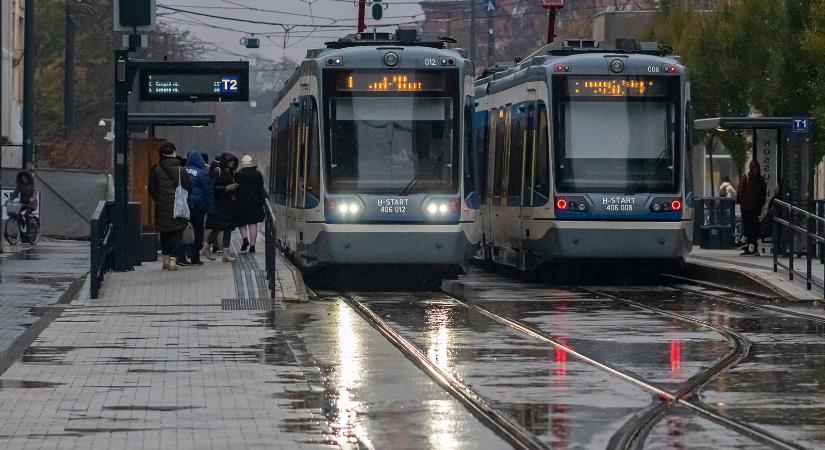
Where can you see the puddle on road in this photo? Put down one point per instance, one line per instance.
(545, 390)
(24, 384)
(149, 408)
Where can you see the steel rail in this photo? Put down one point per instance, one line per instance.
(740, 346)
(749, 304)
(501, 424)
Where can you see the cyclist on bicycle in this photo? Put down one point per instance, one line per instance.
(25, 191)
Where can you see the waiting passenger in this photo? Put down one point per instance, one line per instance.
(250, 204)
(201, 199)
(726, 189)
(164, 179)
(223, 219)
(751, 198)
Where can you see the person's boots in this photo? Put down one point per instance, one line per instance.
(245, 244)
(207, 252)
(227, 257)
(251, 249)
(173, 266)
(196, 259)
(165, 262)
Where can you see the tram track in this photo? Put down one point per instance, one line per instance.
(633, 433)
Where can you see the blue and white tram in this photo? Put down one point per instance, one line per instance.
(586, 155)
(369, 144)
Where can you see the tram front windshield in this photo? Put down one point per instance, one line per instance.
(392, 137)
(617, 134)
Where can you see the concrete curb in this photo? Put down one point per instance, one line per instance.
(739, 279)
(291, 281)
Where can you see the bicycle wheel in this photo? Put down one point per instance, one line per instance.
(12, 231)
(33, 231)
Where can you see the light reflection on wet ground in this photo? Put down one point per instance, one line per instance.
(361, 390)
(560, 399)
(781, 385)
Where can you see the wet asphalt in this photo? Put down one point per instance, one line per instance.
(35, 281)
(676, 338)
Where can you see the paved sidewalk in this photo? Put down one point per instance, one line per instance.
(157, 362)
(35, 283)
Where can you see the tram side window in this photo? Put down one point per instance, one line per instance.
(480, 143)
(469, 163)
(518, 126)
(313, 190)
(541, 192)
(501, 148)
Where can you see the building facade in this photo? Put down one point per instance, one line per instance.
(12, 31)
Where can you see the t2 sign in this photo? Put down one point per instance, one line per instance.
(198, 81)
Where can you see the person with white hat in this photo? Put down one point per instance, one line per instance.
(250, 201)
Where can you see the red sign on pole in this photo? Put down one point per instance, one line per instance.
(556, 4)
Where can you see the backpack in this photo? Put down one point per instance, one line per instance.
(723, 192)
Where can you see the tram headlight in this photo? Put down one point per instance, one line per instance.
(442, 207)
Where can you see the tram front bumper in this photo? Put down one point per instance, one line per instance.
(632, 240)
(391, 244)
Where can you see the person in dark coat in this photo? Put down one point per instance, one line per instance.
(201, 199)
(250, 206)
(751, 198)
(223, 219)
(25, 192)
(163, 180)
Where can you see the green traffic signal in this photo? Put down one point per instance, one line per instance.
(377, 10)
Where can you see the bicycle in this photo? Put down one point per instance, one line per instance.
(19, 229)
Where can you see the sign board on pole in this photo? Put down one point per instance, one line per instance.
(489, 6)
(557, 4)
(800, 125)
(134, 16)
(194, 81)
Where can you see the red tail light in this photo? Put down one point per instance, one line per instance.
(561, 204)
(454, 205)
(330, 205)
(676, 205)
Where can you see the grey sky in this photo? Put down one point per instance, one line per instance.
(225, 34)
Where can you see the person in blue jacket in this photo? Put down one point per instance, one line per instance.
(201, 199)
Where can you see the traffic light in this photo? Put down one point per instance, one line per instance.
(377, 10)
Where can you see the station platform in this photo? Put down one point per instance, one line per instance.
(163, 359)
(759, 269)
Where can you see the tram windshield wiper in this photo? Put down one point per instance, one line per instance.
(663, 155)
(410, 185)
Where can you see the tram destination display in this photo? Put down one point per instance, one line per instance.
(390, 81)
(194, 81)
(616, 87)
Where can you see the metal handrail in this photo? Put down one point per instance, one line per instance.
(102, 246)
(271, 247)
(784, 214)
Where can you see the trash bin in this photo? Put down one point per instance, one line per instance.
(715, 222)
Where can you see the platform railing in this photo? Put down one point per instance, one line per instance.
(270, 248)
(788, 220)
(102, 246)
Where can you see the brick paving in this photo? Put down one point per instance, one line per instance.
(155, 362)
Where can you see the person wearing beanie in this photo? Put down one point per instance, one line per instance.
(250, 206)
(223, 218)
(163, 180)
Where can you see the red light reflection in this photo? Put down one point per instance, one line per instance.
(675, 357)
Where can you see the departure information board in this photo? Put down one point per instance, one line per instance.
(390, 81)
(616, 87)
(194, 81)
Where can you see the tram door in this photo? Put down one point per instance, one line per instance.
(528, 159)
(500, 155)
